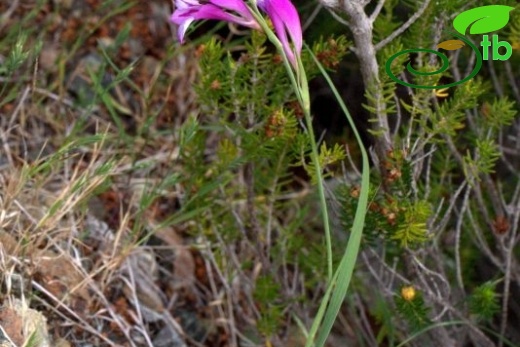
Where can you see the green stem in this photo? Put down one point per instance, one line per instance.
(301, 88)
(321, 190)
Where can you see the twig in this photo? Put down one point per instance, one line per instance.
(377, 10)
(362, 30)
(496, 84)
(458, 232)
(84, 324)
(405, 26)
(509, 253)
(512, 81)
(340, 19)
(311, 18)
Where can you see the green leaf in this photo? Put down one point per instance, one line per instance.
(338, 286)
(482, 19)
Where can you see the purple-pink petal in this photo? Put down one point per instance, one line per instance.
(183, 27)
(285, 20)
(211, 11)
(234, 11)
(237, 6)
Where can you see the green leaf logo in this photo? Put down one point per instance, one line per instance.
(482, 19)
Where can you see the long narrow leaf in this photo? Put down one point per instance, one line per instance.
(338, 287)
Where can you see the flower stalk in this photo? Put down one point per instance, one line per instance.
(298, 78)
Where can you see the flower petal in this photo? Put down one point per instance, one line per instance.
(237, 6)
(212, 11)
(183, 27)
(234, 11)
(285, 20)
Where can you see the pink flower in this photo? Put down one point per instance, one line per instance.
(282, 13)
(285, 21)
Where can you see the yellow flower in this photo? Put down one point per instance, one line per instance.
(408, 293)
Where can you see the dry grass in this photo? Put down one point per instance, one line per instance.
(93, 236)
(76, 167)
